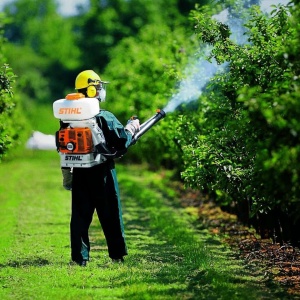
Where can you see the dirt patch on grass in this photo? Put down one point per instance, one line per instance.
(280, 263)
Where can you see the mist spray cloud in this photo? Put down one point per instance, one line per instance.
(192, 86)
(197, 75)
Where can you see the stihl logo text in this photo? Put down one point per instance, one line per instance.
(70, 111)
(73, 157)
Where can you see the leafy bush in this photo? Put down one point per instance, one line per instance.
(6, 108)
(247, 152)
(11, 121)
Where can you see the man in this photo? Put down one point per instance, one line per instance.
(97, 187)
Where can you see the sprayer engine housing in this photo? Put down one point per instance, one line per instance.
(75, 140)
(77, 143)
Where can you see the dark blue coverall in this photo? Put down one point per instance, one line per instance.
(97, 188)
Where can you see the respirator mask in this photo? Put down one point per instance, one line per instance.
(101, 94)
(101, 91)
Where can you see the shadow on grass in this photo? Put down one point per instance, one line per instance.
(167, 272)
(37, 262)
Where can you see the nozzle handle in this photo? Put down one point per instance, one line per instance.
(148, 124)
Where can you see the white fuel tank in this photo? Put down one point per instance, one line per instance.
(75, 107)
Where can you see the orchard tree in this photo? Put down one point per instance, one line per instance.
(7, 107)
(246, 153)
(10, 120)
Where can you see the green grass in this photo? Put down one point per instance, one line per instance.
(168, 258)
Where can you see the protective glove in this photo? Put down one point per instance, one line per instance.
(133, 126)
(67, 174)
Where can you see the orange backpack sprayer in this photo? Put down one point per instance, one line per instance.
(77, 142)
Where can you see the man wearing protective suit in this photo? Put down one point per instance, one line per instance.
(96, 187)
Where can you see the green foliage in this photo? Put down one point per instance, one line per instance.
(6, 109)
(248, 150)
(45, 31)
(107, 23)
(46, 41)
(277, 112)
(10, 120)
(29, 70)
(46, 46)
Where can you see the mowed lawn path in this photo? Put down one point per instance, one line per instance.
(168, 258)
